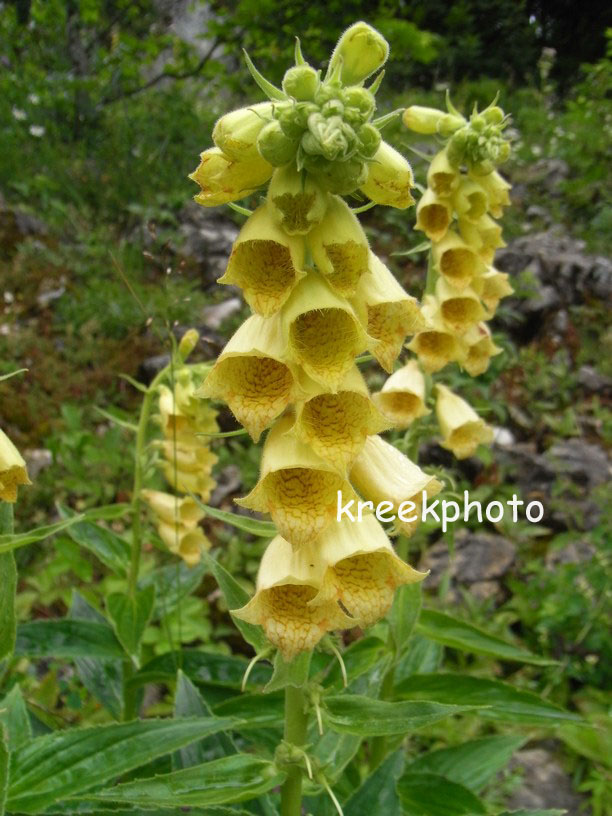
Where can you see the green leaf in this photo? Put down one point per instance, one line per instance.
(130, 615)
(256, 527)
(472, 763)
(404, 614)
(68, 763)
(172, 584)
(456, 633)
(378, 794)
(432, 795)
(66, 639)
(422, 656)
(112, 550)
(205, 668)
(231, 779)
(12, 542)
(4, 768)
(334, 751)
(532, 813)
(592, 740)
(292, 673)
(355, 714)
(255, 709)
(505, 702)
(236, 597)
(8, 582)
(15, 719)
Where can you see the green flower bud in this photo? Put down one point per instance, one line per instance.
(431, 120)
(275, 146)
(331, 138)
(339, 177)
(325, 93)
(359, 104)
(293, 118)
(361, 50)
(493, 116)
(333, 108)
(236, 133)
(369, 140)
(301, 82)
(188, 342)
(457, 147)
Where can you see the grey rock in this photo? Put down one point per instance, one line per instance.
(545, 783)
(207, 238)
(479, 558)
(592, 380)
(213, 316)
(37, 459)
(229, 481)
(576, 552)
(584, 463)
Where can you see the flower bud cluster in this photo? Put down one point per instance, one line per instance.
(186, 462)
(319, 297)
(13, 471)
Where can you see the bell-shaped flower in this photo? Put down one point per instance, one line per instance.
(462, 429)
(458, 262)
(435, 345)
(339, 247)
(265, 262)
(470, 200)
(498, 192)
(324, 333)
(287, 581)
(173, 509)
(235, 133)
(389, 179)
(479, 350)
(296, 487)
(392, 313)
(363, 570)
(335, 426)
(381, 473)
(359, 52)
(442, 176)
(434, 215)
(493, 287)
(458, 309)
(13, 471)
(295, 200)
(223, 179)
(484, 236)
(402, 398)
(186, 542)
(252, 375)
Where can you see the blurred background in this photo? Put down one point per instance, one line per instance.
(105, 106)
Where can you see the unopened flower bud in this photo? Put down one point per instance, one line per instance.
(361, 50)
(223, 179)
(275, 146)
(236, 133)
(359, 102)
(493, 115)
(369, 140)
(301, 82)
(339, 177)
(389, 178)
(188, 342)
(431, 120)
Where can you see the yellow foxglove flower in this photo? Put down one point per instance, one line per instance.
(188, 454)
(324, 333)
(223, 179)
(183, 415)
(335, 426)
(480, 349)
(186, 542)
(434, 215)
(235, 133)
(458, 309)
(287, 581)
(296, 201)
(389, 179)
(458, 262)
(392, 313)
(360, 51)
(442, 176)
(461, 427)
(296, 487)
(363, 570)
(484, 236)
(470, 200)
(265, 262)
(435, 345)
(199, 482)
(498, 192)
(339, 247)
(494, 286)
(402, 398)
(171, 509)
(431, 120)
(252, 375)
(12, 470)
(381, 473)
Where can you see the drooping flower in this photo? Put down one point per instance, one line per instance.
(402, 398)
(462, 429)
(223, 179)
(177, 524)
(13, 471)
(390, 179)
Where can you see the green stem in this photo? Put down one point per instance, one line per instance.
(378, 746)
(432, 275)
(296, 721)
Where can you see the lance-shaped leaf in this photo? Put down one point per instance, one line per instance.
(433, 795)
(130, 615)
(66, 639)
(15, 719)
(112, 550)
(378, 794)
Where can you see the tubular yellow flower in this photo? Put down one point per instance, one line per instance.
(12, 470)
(442, 176)
(335, 426)
(381, 473)
(223, 179)
(252, 375)
(435, 345)
(431, 120)
(265, 262)
(392, 313)
(480, 349)
(434, 215)
(296, 487)
(186, 542)
(235, 133)
(323, 331)
(498, 192)
(340, 248)
(402, 398)
(389, 179)
(483, 235)
(295, 200)
(458, 309)
(470, 200)
(363, 570)
(360, 51)
(287, 581)
(173, 509)
(494, 286)
(458, 262)
(461, 427)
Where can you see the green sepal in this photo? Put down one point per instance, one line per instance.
(270, 90)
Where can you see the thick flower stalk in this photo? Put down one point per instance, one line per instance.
(320, 297)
